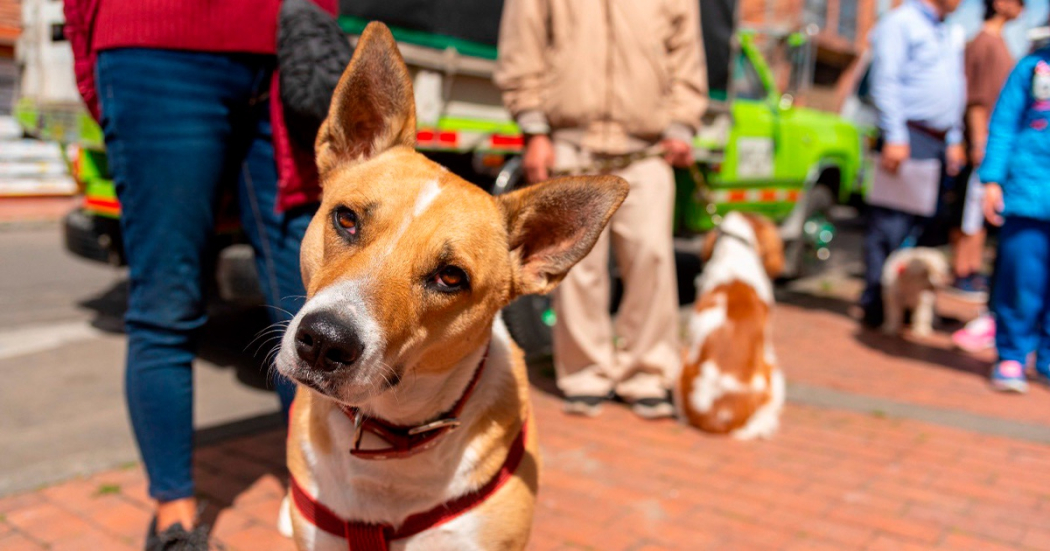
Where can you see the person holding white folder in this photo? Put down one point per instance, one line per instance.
(919, 89)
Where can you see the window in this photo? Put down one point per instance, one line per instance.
(848, 19)
(746, 82)
(816, 11)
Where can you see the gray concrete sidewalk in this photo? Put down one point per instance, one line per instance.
(61, 359)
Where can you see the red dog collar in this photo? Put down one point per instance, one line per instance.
(407, 441)
(363, 536)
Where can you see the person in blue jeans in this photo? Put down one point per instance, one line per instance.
(1016, 176)
(180, 127)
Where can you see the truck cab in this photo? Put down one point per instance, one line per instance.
(761, 151)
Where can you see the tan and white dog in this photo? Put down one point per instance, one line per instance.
(910, 279)
(412, 428)
(730, 382)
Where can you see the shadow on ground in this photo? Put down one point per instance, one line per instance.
(235, 337)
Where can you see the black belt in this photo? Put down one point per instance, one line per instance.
(939, 135)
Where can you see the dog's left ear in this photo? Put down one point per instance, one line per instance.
(554, 224)
(373, 108)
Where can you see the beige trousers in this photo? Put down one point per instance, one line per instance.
(637, 356)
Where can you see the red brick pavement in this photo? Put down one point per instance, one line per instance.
(829, 480)
(823, 348)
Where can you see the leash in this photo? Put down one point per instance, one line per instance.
(734, 236)
(365, 536)
(406, 441)
(602, 164)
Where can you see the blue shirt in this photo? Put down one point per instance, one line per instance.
(917, 72)
(1017, 156)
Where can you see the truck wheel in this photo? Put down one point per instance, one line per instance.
(529, 320)
(93, 237)
(806, 254)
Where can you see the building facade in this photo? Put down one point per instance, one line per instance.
(841, 40)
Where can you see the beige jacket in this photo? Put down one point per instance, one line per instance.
(612, 76)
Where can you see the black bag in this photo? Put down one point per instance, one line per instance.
(312, 53)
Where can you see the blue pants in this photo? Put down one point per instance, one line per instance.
(1020, 298)
(178, 127)
(887, 230)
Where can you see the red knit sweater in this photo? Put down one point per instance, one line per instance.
(203, 25)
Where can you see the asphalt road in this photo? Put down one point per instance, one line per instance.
(62, 350)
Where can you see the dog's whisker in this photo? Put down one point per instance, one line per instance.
(266, 342)
(279, 326)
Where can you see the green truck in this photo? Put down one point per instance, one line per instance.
(758, 150)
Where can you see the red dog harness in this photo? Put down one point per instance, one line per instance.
(405, 442)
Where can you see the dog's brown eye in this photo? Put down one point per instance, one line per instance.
(345, 221)
(449, 278)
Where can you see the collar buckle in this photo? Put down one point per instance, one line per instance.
(359, 425)
(449, 422)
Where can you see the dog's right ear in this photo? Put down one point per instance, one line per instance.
(373, 108)
(554, 224)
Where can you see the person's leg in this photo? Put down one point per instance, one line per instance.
(968, 240)
(886, 231)
(165, 119)
(1042, 357)
(582, 335)
(647, 321)
(969, 253)
(275, 236)
(1019, 291)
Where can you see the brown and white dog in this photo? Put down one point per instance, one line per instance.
(910, 279)
(730, 382)
(412, 428)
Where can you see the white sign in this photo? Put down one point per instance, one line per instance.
(754, 157)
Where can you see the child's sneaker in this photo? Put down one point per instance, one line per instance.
(1008, 376)
(977, 335)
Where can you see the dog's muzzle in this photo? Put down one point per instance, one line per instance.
(326, 342)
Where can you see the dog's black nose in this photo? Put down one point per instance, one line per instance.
(326, 342)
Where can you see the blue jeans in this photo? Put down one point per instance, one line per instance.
(1020, 298)
(179, 128)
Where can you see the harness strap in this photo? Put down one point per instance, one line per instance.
(361, 536)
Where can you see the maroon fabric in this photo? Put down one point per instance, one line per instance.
(248, 26)
(297, 179)
(80, 17)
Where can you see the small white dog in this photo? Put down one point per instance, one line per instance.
(910, 279)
